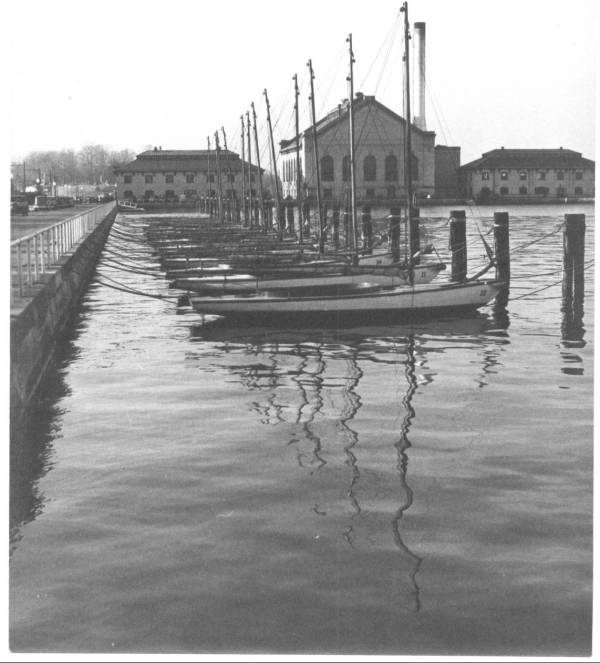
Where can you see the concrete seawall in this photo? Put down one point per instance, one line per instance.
(46, 316)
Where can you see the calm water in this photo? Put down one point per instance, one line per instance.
(420, 489)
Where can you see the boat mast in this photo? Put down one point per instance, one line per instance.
(244, 173)
(260, 189)
(209, 201)
(350, 79)
(274, 169)
(298, 174)
(227, 188)
(412, 231)
(250, 201)
(219, 186)
(317, 162)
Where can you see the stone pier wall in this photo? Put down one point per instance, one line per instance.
(38, 326)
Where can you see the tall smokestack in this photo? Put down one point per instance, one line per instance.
(419, 119)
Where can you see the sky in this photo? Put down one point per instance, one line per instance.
(133, 73)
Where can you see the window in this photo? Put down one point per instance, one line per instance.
(541, 190)
(523, 175)
(189, 179)
(578, 191)
(127, 179)
(252, 178)
(414, 163)
(149, 193)
(169, 194)
(485, 175)
(542, 175)
(560, 190)
(230, 178)
(327, 194)
(578, 175)
(149, 179)
(391, 169)
(370, 169)
(504, 191)
(210, 178)
(128, 194)
(169, 179)
(504, 174)
(522, 190)
(370, 193)
(560, 175)
(346, 169)
(190, 193)
(391, 192)
(327, 169)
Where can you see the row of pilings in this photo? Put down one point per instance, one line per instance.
(573, 281)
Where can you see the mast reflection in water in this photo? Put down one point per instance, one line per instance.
(309, 383)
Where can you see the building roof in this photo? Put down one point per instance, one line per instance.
(528, 158)
(339, 114)
(181, 161)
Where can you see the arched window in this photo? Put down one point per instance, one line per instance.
(391, 168)
(346, 169)
(370, 169)
(327, 169)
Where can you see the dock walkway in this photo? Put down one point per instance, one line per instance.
(36, 221)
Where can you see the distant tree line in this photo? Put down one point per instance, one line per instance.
(92, 164)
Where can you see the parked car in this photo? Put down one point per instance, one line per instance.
(19, 205)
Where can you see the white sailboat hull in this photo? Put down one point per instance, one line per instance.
(426, 298)
(247, 282)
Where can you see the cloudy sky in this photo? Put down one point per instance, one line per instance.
(132, 73)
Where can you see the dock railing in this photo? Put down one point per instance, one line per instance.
(39, 252)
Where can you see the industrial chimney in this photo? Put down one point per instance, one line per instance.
(419, 119)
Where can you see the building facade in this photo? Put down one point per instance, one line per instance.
(185, 175)
(528, 175)
(379, 156)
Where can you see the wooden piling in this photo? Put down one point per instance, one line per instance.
(458, 244)
(573, 280)
(415, 235)
(347, 222)
(367, 229)
(573, 260)
(502, 246)
(335, 221)
(395, 218)
(290, 218)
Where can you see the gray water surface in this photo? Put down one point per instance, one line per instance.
(382, 489)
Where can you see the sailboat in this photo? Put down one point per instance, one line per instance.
(363, 296)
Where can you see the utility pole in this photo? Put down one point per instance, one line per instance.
(317, 162)
(260, 189)
(280, 219)
(298, 174)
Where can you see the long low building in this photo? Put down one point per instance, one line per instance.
(528, 174)
(178, 175)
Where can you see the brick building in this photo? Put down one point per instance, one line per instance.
(379, 160)
(529, 174)
(178, 175)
